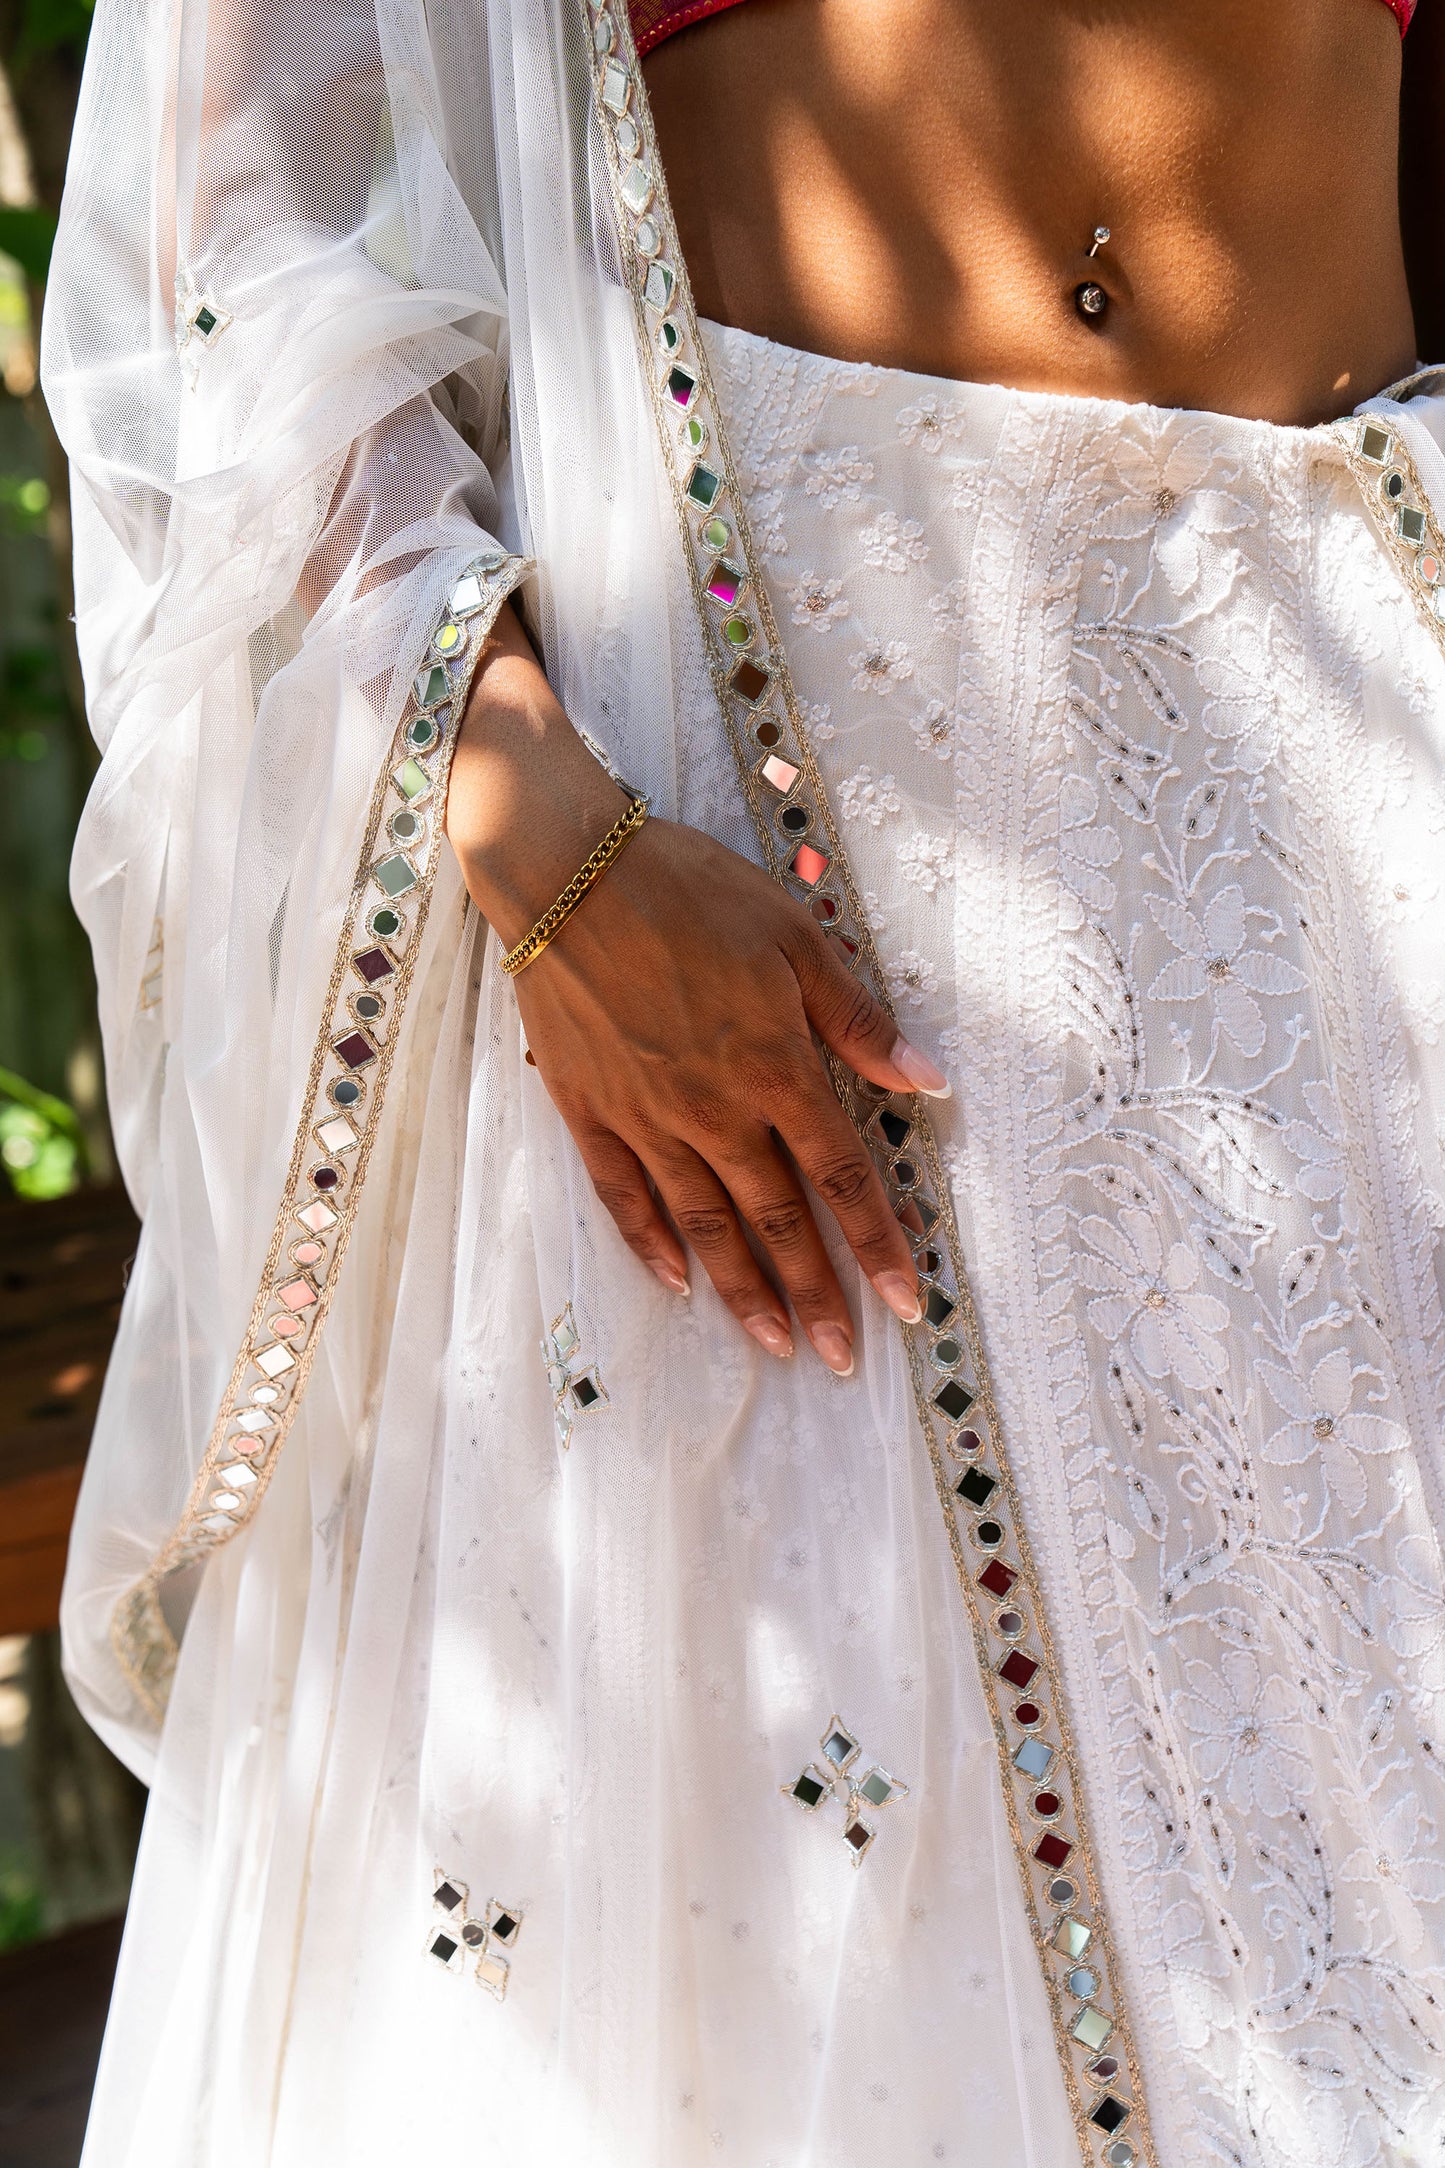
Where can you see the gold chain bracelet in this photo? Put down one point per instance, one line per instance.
(550, 924)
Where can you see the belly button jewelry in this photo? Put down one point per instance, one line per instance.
(1090, 299)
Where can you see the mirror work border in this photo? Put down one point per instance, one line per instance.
(982, 1514)
(371, 975)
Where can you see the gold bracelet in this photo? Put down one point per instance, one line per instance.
(550, 924)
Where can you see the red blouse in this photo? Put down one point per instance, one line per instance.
(654, 20)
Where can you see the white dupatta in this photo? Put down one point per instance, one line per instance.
(304, 253)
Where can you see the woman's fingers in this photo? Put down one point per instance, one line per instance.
(621, 1185)
(847, 1018)
(767, 1192)
(838, 1164)
(706, 1216)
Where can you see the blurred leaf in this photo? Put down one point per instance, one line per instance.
(24, 501)
(47, 25)
(22, 1909)
(14, 305)
(40, 1142)
(53, 1111)
(28, 236)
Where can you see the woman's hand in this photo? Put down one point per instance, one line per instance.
(670, 1023)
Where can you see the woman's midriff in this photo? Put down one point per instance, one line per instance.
(915, 183)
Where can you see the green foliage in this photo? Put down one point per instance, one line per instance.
(22, 1907)
(24, 502)
(32, 693)
(47, 26)
(41, 1149)
(27, 234)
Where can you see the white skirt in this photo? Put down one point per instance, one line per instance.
(1135, 737)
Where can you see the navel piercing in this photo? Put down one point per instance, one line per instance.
(1090, 299)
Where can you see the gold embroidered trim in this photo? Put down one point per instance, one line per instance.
(786, 796)
(1382, 465)
(371, 976)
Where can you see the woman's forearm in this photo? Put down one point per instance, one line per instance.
(527, 801)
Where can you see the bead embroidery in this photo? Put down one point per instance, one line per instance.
(370, 978)
(786, 797)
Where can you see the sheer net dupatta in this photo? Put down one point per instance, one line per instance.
(276, 349)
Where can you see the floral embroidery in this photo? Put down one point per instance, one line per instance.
(1087, 845)
(885, 663)
(926, 860)
(1222, 1378)
(1215, 961)
(818, 603)
(950, 607)
(1175, 491)
(1424, 1003)
(1324, 1426)
(838, 478)
(912, 977)
(1318, 1145)
(935, 730)
(930, 423)
(1243, 1734)
(1116, 779)
(867, 797)
(892, 544)
(1151, 1296)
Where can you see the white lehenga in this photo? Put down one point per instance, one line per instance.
(1134, 737)
(1131, 721)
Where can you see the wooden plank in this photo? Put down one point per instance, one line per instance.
(35, 1517)
(62, 1275)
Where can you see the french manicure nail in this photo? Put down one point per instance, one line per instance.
(770, 1334)
(832, 1344)
(920, 1072)
(901, 1295)
(670, 1277)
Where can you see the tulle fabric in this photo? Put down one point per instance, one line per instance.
(266, 527)
(443, 1647)
(578, 1680)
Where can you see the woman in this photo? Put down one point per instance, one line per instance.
(1045, 1550)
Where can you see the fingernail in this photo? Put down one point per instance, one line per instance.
(901, 1295)
(670, 1277)
(770, 1334)
(832, 1344)
(920, 1072)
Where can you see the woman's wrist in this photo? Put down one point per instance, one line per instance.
(527, 802)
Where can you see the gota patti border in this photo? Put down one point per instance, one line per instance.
(785, 793)
(371, 976)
